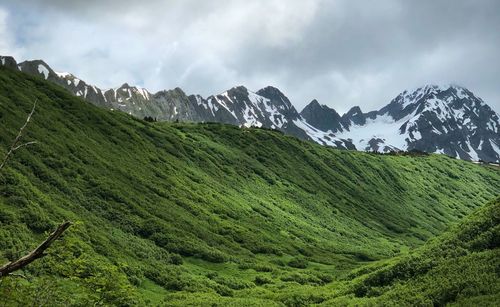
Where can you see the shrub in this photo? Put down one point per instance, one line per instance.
(262, 280)
(299, 263)
(36, 219)
(263, 268)
(7, 217)
(232, 282)
(212, 255)
(176, 259)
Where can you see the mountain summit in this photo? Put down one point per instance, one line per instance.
(440, 119)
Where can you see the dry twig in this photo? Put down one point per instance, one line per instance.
(15, 145)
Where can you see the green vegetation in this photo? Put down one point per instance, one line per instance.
(458, 268)
(179, 213)
(461, 266)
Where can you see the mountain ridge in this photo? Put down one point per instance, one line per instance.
(469, 133)
(439, 119)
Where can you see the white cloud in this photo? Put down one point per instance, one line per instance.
(7, 44)
(341, 52)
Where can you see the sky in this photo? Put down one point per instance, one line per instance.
(341, 52)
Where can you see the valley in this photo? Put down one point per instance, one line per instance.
(188, 213)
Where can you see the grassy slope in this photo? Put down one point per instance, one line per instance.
(459, 268)
(244, 202)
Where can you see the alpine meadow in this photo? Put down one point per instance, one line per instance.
(188, 214)
(257, 153)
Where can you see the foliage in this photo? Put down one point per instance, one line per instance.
(159, 206)
(460, 266)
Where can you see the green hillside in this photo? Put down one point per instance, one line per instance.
(460, 266)
(169, 213)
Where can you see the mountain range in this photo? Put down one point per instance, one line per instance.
(447, 119)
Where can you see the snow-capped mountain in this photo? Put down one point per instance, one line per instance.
(268, 107)
(441, 119)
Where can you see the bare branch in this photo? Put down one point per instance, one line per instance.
(35, 254)
(25, 144)
(18, 138)
(7, 269)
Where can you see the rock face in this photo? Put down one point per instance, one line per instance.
(437, 119)
(323, 117)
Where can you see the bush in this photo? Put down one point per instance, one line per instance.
(212, 255)
(223, 290)
(232, 282)
(37, 220)
(176, 259)
(299, 263)
(7, 217)
(263, 268)
(262, 280)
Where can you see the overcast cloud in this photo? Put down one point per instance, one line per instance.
(341, 52)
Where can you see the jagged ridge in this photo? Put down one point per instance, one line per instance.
(439, 119)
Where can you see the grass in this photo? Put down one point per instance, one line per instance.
(184, 213)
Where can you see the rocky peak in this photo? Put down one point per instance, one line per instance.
(355, 116)
(280, 101)
(322, 117)
(173, 93)
(37, 67)
(240, 89)
(8, 61)
(273, 93)
(314, 104)
(422, 98)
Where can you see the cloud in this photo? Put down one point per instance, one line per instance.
(4, 41)
(7, 45)
(341, 52)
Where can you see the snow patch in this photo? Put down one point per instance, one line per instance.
(316, 135)
(222, 103)
(382, 127)
(63, 74)
(144, 93)
(43, 70)
(461, 94)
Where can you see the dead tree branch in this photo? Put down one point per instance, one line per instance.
(38, 252)
(15, 145)
(35, 254)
